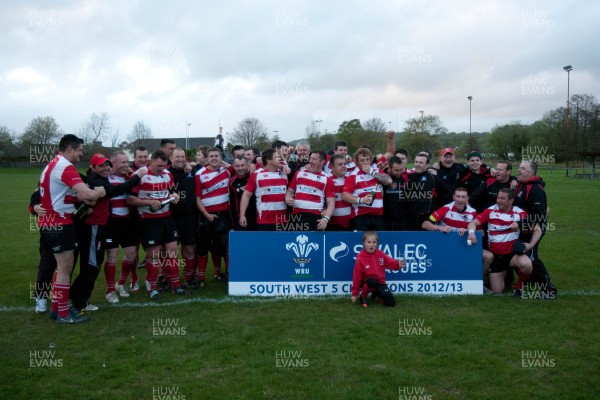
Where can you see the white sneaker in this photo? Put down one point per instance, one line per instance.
(121, 290)
(41, 306)
(112, 298)
(148, 287)
(134, 287)
(91, 307)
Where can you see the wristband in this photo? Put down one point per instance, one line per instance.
(326, 217)
(471, 230)
(358, 201)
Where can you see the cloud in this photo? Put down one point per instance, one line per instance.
(290, 63)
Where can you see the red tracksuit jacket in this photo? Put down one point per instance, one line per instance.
(371, 265)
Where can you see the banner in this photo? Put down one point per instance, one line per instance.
(321, 263)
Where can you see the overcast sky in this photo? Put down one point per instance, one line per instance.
(290, 62)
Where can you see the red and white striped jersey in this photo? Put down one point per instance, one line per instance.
(212, 188)
(155, 187)
(500, 237)
(351, 168)
(56, 193)
(448, 215)
(269, 189)
(311, 191)
(118, 204)
(343, 210)
(360, 185)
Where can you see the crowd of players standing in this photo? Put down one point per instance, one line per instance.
(179, 211)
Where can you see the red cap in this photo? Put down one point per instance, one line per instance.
(99, 159)
(446, 151)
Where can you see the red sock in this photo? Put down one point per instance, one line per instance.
(173, 267)
(60, 292)
(110, 271)
(202, 262)
(151, 274)
(126, 267)
(189, 268)
(54, 302)
(164, 269)
(134, 277)
(216, 260)
(522, 277)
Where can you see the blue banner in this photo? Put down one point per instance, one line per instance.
(317, 263)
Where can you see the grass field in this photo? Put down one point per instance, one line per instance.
(212, 346)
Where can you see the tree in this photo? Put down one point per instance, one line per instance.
(373, 134)
(421, 133)
(96, 128)
(509, 139)
(584, 123)
(115, 138)
(564, 132)
(351, 132)
(41, 131)
(140, 132)
(318, 141)
(7, 145)
(250, 132)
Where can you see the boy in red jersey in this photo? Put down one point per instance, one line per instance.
(369, 272)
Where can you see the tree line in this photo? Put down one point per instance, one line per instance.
(563, 132)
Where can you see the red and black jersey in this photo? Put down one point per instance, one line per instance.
(101, 210)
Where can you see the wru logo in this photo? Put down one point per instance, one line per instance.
(302, 249)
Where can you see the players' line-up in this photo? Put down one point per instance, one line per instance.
(163, 201)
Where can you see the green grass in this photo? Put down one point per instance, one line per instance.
(470, 347)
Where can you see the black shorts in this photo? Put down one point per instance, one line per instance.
(158, 231)
(187, 228)
(124, 232)
(501, 263)
(60, 238)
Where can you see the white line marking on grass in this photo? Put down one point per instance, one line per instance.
(246, 299)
